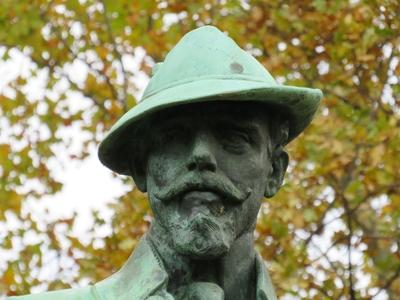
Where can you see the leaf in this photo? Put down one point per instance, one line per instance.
(347, 160)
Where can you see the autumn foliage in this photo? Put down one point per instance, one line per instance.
(332, 232)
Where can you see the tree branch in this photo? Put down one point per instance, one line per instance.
(122, 98)
(388, 283)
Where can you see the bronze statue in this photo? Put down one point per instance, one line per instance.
(206, 142)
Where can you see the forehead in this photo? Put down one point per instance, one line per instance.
(211, 112)
(253, 117)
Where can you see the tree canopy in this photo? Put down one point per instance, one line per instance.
(332, 232)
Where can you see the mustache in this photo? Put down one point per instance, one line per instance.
(212, 182)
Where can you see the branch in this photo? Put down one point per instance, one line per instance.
(349, 248)
(118, 55)
(388, 282)
(343, 99)
(325, 253)
(321, 223)
(85, 93)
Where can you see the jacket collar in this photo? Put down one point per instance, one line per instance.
(143, 275)
(265, 290)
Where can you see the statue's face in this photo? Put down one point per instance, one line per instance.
(206, 175)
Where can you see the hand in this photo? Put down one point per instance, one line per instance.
(200, 291)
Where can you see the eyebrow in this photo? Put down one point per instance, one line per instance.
(225, 121)
(174, 123)
(247, 125)
(253, 130)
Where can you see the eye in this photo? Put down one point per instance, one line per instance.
(235, 140)
(236, 136)
(169, 135)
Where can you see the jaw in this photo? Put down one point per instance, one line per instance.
(200, 236)
(203, 226)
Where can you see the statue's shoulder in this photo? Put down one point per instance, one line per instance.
(141, 276)
(86, 293)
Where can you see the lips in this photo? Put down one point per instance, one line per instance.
(197, 201)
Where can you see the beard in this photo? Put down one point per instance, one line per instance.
(199, 228)
(203, 235)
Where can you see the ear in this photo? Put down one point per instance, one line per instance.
(138, 173)
(280, 160)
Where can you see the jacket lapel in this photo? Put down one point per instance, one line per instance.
(143, 275)
(265, 290)
(140, 277)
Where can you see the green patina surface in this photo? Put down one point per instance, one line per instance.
(207, 144)
(142, 277)
(207, 65)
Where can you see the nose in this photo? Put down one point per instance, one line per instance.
(201, 157)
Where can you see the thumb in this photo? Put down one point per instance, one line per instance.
(201, 291)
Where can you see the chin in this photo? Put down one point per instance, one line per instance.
(203, 237)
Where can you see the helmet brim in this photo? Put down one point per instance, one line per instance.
(297, 102)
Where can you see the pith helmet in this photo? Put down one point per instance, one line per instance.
(206, 65)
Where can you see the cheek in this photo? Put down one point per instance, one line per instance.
(166, 214)
(252, 168)
(157, 172)
(246, 214)
(248, 170)
(162, 168)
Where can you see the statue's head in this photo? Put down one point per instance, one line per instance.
(207, 141)
(206, 168)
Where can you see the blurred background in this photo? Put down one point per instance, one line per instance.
(69, 69)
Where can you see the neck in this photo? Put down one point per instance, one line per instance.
(234, 272)
(178, 267)
(237, 269)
